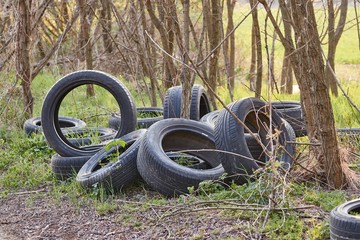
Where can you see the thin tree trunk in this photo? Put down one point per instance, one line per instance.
(259, 66)
(105, 17)
(185, 74)
(23, 71)
(85, 45)
(334, 37)
(213, 28)
(252, 72)
(170, 70)
(286, 71)
(229, 49)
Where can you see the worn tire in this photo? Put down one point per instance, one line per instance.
(210, 118)
(350, 131)
(292, 112)
(113, 175)
(115, 119)
(199, 105)
(163, 174)
(238, 162)
(53, 99)
(344, 225)
(33, 125)
(67, 167)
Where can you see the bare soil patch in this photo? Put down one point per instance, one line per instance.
(37, 216)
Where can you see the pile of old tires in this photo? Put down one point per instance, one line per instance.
(169, 153)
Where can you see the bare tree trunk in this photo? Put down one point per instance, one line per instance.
(252, 72)
(229, 48)
(286, 71)
(185, 74)
(307, 61)
(170, 70)
(145, 49)
(105, 17)
(334, 37)
(256, 31)
(23, 71)
(213, 27)
(85, 52)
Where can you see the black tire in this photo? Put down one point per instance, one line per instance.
(67, 167)
(343, 224)
(156, 114)
(230, 137)
(199, 105)
(113, 175)
(165, 175)
(52, 102)
(292, 112)
(172, 102)
(33, 125)
(210, 118)
(350, 131)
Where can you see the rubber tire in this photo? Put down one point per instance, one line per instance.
(53, 99)
(115, 175)
(292, 112)
(343, 225)
(210, 118)
(67, 167)
(199, 105)
(33, 125)
(165, 175)
(230, 137)
(350, 131)
(115, 119)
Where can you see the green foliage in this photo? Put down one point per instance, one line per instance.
(318, 231)
(24, 162)
(326, 200)
(281, 226)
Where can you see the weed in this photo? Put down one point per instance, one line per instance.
(326, 200)
(106, 207)
(25, 163)
(318, 231)
(284, 226)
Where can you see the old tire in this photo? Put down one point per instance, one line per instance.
(33, 125)
(67, 167)
(236, 157)
(343, 224)
(113, 175)
(163, 174)
(210, 118)
(199, 105)
(53, 99)
(292, 112)
(155, 114)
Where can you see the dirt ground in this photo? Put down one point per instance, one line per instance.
(29, 215)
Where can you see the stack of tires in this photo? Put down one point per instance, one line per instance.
(169, 153)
